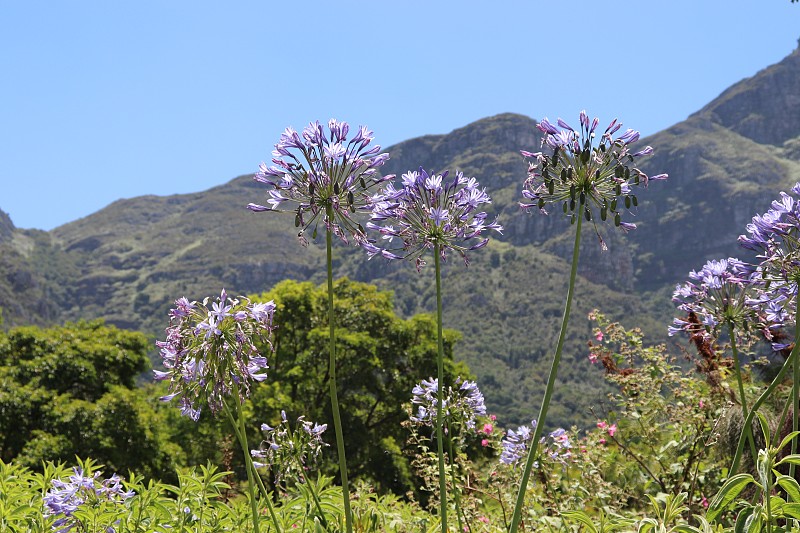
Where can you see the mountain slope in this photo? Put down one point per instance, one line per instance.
(127, 262)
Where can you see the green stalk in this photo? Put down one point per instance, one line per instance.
(748, 422)
(440, 365)
(747, 430)
(317, 503)
(241, 436)
(337, 420)
(551, 381)
(238, 428)
(456, 496)
(795, 394)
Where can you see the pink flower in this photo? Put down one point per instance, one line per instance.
(593, 357)
(704, 502)
(488, 428)
(602, 424)
(492, 417)
(702, 404)
(485, 443)
(483, 519)
(602, 440)
(598, 335)
(612, 429)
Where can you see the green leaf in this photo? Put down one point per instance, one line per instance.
(788, 438)
(792, 510)
(791, 459)
(791, 487)
(729, 491)
(581, 517)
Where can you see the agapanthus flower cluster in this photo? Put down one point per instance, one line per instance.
(585, 175)
(82, 490)
(719, 294)
(210, 352)
(318, 170)
(775, 236)
(460, 405)
(555, 446)
(288, 450)
(429, 209)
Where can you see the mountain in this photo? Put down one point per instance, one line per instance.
(129, 261)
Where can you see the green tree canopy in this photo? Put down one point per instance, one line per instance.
(70, 390)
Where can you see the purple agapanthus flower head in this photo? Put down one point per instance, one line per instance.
(584, 173)
(82, 489)
(429, 210)
(288, 450)
(317, 172)
(210, 353)
(555, 446)
(775, 237)
(718, 295)
(460, 404)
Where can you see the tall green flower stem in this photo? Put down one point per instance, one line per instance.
(337, 420)
(748, 430)
(456, 492)
(748, 422)
(238, 425)
(551, 381)
(795, 392)
(440, 373)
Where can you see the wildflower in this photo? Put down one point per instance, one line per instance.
(598, 335)
(65, 498)
(719, 294)
(587, 176)
(612, 429)
(556, 445)
(430, 210)
(484, 442)
(289, 450)
(488, 428)
(210, 354)
(459, 406)
(317, 172)
(593, 357)
(775, 236)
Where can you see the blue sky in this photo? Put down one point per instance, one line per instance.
(107, 100)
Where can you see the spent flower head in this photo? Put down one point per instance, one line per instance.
(82, 490)
(289, 450)
(585, 174)
(429, 209)
(317, 170)
(210, 353)
(460, 405)
(555, 446)
(718, 295)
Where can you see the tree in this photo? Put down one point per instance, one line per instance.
(70, 390)
(380, 358)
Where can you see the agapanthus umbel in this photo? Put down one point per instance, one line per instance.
(429, 209)
(210, 352)
(319, 170)
(556, 446)
(64, 498)
(718, 295)
(775, 236)
(460, 406)
(584, 175)
(289, 450)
